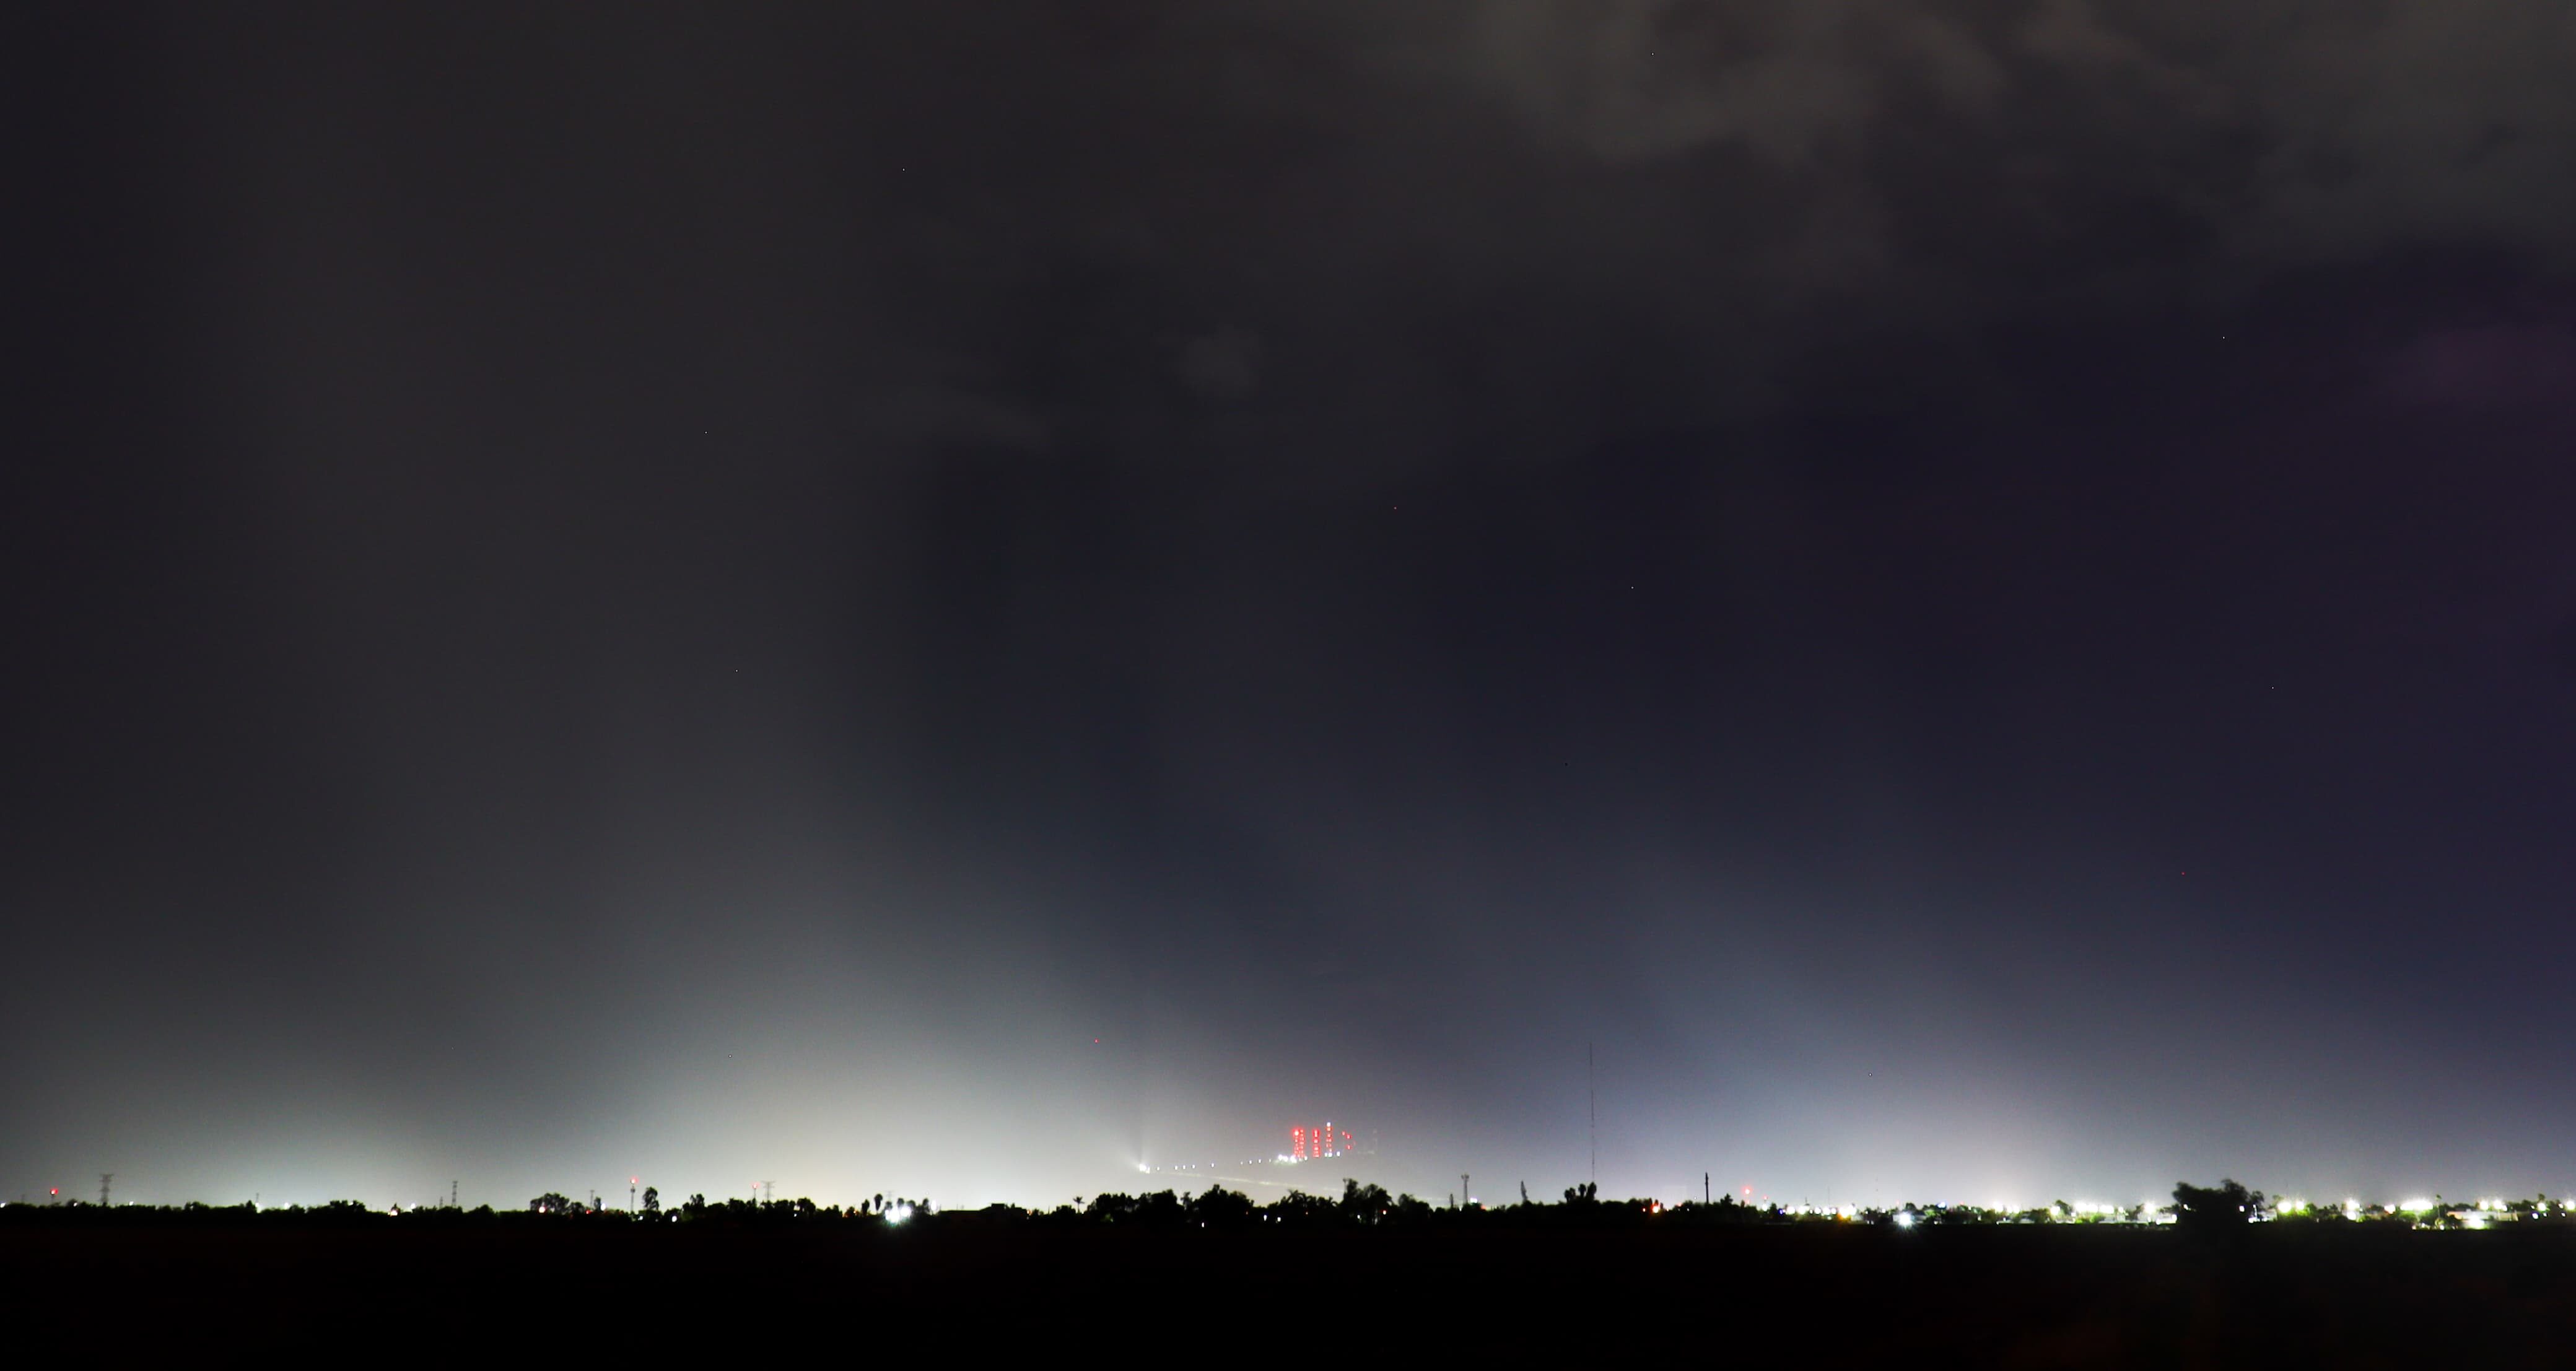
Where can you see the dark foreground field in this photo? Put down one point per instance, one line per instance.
(1805, 1295)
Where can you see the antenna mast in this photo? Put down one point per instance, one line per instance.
(1592, 1106)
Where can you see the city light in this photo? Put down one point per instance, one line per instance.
(1312, 1142)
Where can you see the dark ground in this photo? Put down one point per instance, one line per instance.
(2014, 1297)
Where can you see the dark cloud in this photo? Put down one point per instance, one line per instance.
(1700, 201)
(2494, 364)
(1224, 365)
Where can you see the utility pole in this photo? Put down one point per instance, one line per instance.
(1703, 1188)
(103, 1178)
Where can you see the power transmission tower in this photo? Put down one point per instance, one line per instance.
(103, 1178)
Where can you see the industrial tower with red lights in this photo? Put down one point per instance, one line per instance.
(1308, 1144)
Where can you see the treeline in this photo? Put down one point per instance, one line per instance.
(1371, 1206)
(1217, 1208)
(545, 1210)
(335, 1214)
(2225, 1208)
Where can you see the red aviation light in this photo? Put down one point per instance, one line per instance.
(1316, 1141)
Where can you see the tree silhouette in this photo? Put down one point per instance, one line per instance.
(1162, 1209)
(1364, 1204)
(1297, 1209)
(1219, 1209)
(2223, 1210)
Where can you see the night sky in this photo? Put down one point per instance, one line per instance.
(1978, 599)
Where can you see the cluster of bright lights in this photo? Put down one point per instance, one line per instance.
(2486, 1211)
(2081, 1211)
(1317, 1143)
(1204, 1168)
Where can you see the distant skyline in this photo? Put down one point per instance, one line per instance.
(954, 600)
